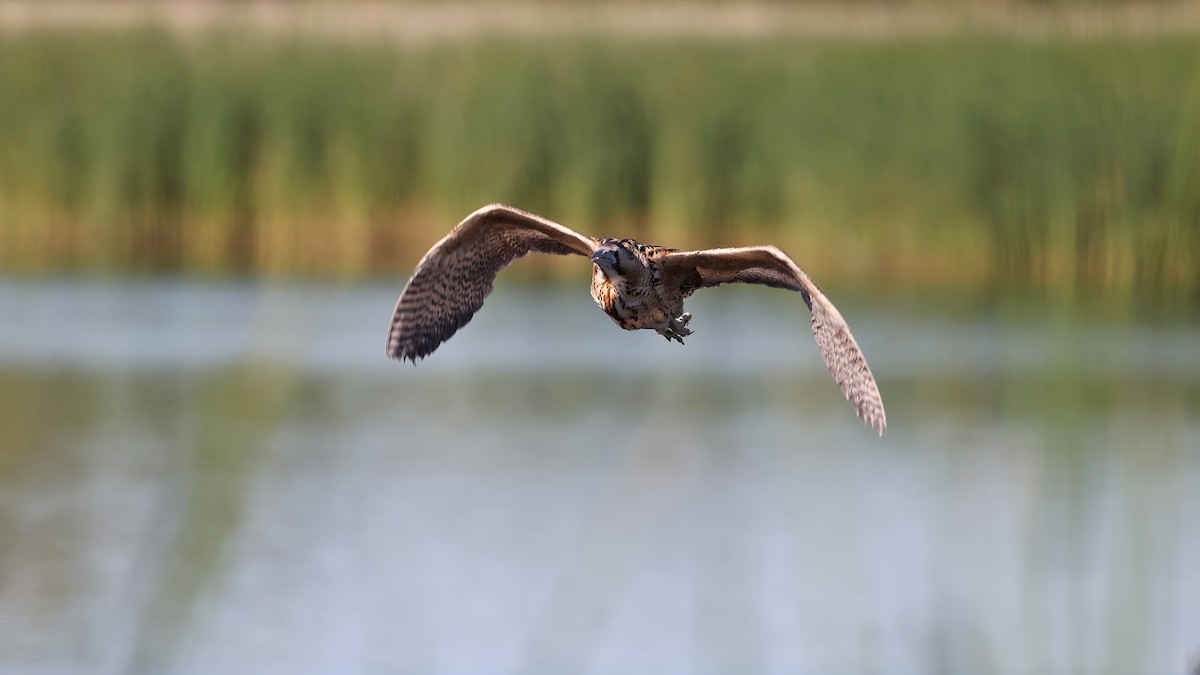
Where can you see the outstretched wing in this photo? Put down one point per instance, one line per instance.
(452, 280)
(769, 266)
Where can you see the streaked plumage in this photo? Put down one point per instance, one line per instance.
(638, 285)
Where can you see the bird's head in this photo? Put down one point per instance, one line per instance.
(611, 260)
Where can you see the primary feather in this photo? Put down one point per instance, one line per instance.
(769, 266)
(456, 275)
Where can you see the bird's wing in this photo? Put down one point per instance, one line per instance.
(452, 280)
(769, 266)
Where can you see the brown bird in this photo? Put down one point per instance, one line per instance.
(638, 285)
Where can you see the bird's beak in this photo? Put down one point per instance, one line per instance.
(605, 257)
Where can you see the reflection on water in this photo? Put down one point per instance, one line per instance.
(223, 478)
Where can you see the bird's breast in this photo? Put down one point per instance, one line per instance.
(630, 308)
(607, 296)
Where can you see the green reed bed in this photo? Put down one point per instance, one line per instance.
(1068, 163)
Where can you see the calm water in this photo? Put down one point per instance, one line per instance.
(204, 478)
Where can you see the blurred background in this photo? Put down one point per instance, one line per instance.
(207, 210)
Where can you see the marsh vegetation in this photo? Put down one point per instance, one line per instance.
(948, 159)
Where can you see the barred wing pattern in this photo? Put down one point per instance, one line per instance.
(451, 282)
(769, 266)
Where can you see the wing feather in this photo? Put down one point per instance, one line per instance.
(452, 280)
(769, 266)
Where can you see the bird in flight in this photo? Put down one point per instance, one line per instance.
(638, 285)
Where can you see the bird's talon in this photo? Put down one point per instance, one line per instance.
(676, 330)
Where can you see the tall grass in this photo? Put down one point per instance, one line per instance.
(1059, 162)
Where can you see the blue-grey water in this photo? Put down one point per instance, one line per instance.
(231, 478)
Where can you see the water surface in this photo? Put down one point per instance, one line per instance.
(200, 477)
